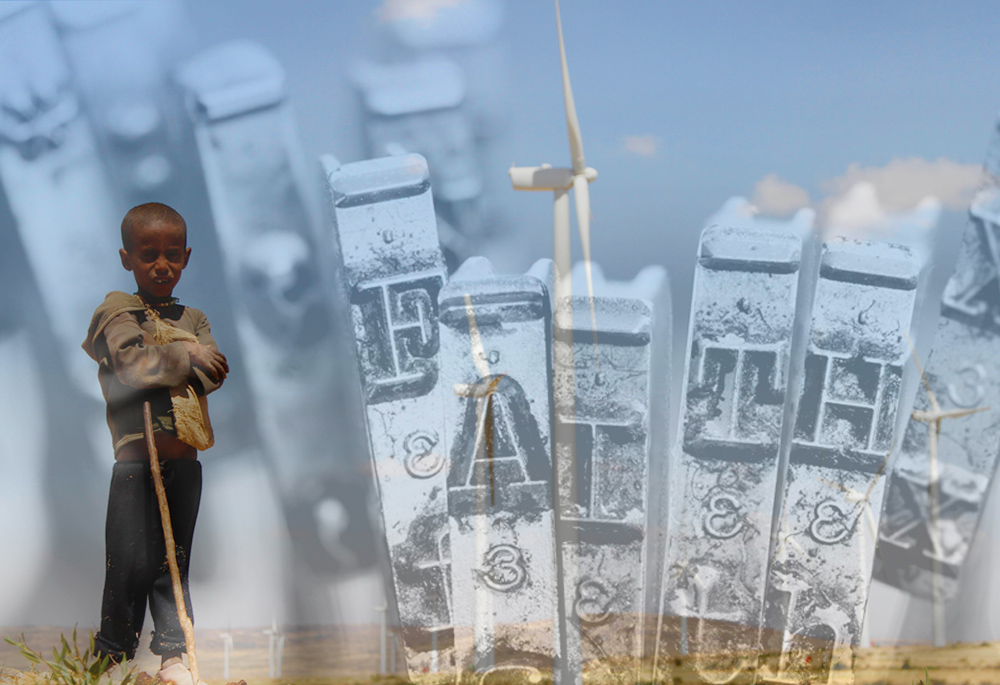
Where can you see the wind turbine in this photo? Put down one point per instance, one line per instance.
(560, 181)
(933, 417)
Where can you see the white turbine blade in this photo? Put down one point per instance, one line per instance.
(572, 123)
(478, 352)
(561, 253)
(581, 191)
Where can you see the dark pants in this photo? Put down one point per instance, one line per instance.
(136, 554)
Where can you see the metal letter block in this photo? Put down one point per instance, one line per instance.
(135, 113)
(725, 464)
(266, 215)
(611, 419)
(23, 492)
(915, 551)
(52, 177)
(495, 338)
(845, 425)
(418, 107)
(469, 33)
(394, 271)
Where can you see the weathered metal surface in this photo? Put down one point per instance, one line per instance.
(495, 346)
(961, 370)
(471, 34)
(52, 178)
(394, 271)
(23, 492)
(266, 216)
(845, 424)
(418, 107)
(725, 463)
(136, 116)
(605, 453)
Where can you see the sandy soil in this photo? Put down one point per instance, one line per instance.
(344, 655)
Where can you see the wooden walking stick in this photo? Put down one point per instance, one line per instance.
(168, 535)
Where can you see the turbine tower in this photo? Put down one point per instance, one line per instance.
(565, 472)
(560, 181)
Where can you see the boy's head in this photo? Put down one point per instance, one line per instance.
(154, 248)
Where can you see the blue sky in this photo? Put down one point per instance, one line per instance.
(714, 96)
(727, 93)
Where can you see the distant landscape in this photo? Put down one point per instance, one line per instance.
(339, 655)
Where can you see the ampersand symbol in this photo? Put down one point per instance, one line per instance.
(830, 524)
(504, 568)
(723, 520)
(421, 460)
(593, 601)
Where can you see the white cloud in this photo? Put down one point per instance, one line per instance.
(900, 201)
(776, 197)
(397, 10)
(903, 183)
(644, 146)
(859, 212)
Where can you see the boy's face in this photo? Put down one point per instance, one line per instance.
(157, 257)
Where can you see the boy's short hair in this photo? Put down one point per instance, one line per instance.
(149, 213)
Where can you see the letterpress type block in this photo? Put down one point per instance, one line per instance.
(471, 34)
(394, 271)
(845, 425)
(495, 339)
(266, 217)
(52, 178)
(724, 467)
(918, 550)
(606, 450)
(121, 54)
(419, 107)
(23, 496)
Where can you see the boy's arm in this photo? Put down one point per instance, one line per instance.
(204, 334)
(138, 361)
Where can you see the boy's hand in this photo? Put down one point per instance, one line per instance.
(214, 363)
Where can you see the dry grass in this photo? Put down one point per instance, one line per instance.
(349, 656)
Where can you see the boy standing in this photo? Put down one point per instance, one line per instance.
(152, 349)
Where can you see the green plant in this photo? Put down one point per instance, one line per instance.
(70, 666)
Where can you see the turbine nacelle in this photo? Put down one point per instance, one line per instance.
(546, 177)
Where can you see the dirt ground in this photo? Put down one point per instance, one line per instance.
(347, 655)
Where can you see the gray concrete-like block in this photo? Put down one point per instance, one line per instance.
(495, 346)
(417, 107)
(961, 370)
(135, 113)
(846, 423)
(58, 193)
(394, 271)
(266, 215)
(724, 467)
(611, 399)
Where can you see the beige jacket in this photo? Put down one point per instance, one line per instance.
(132, 368)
